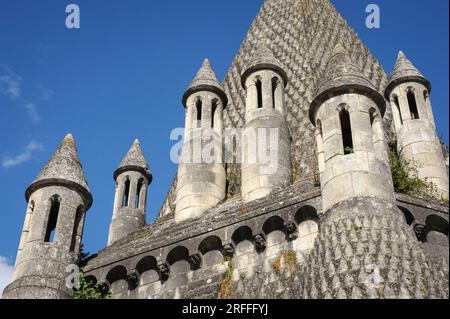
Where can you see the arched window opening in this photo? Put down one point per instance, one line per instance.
(126, 193)
(52, 220)
(241, 234)
(138, 192)
(259, 91)
(426, 98)
(397, 105)
(76, 228)
(413, 105)
(409, 217)
(26, 227)
(213, 111)
(346, 131)
(319, 128)
(274, 88)
(373, 115)
(199, 106)
(31, 208)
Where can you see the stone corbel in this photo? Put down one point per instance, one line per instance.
(163, 271)
(228, 250)
(292, 231)
(133, 278)
(419, 231)
(260, 242)
(105, 286)
(195, 260)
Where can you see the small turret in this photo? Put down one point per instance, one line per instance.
(266, 163)
(409, 94)
(58, 200)
(132, 178)
(201, 175)
(347, 111)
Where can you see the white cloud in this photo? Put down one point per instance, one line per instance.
(23, 157)
(33, 113)
(5, 273)
(10, 83)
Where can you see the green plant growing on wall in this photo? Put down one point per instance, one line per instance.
(226, 288)
(89, 290)
(290, 260)
(348, 151)
(406, 178)
(295, 173)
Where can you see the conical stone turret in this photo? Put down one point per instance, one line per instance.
(58, 200)
(132, 178)
(266, 150)
(201, 175)
(64, 167)
(364, 249)
(405, 71)
(417, 141)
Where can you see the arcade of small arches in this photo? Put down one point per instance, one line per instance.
(430, 228)
(303, 226)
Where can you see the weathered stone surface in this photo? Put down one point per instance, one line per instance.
(265, 236)
(57, 203)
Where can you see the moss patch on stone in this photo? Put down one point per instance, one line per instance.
(290, 260)
(226, 288)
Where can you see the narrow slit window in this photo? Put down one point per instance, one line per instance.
(413, 105)
(346, 132)
(126, 193)
(397, 105)
(199, 106)
(52, 221)
(259, 91)
(274, 88)
(138, 192)
(76, 228)
(213, 112)
(372, 117)
(319, 128)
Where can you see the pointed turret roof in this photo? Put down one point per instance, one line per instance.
(63, 168)
(134, 161)
(303, 45)
(405, 71)
(263, 59)
(341, 76)
(205, 80)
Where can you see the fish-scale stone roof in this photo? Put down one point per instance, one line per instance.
(405, 71)
(63, 168)
(301, 34)
(263, 59)
(134, 161)
(205, 80)
(342, 75)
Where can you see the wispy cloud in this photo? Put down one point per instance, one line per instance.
(46, 94)
(33, 113)
(10, 83)
(6, 271)
(23, 157)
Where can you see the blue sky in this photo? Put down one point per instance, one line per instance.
(121, 76)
